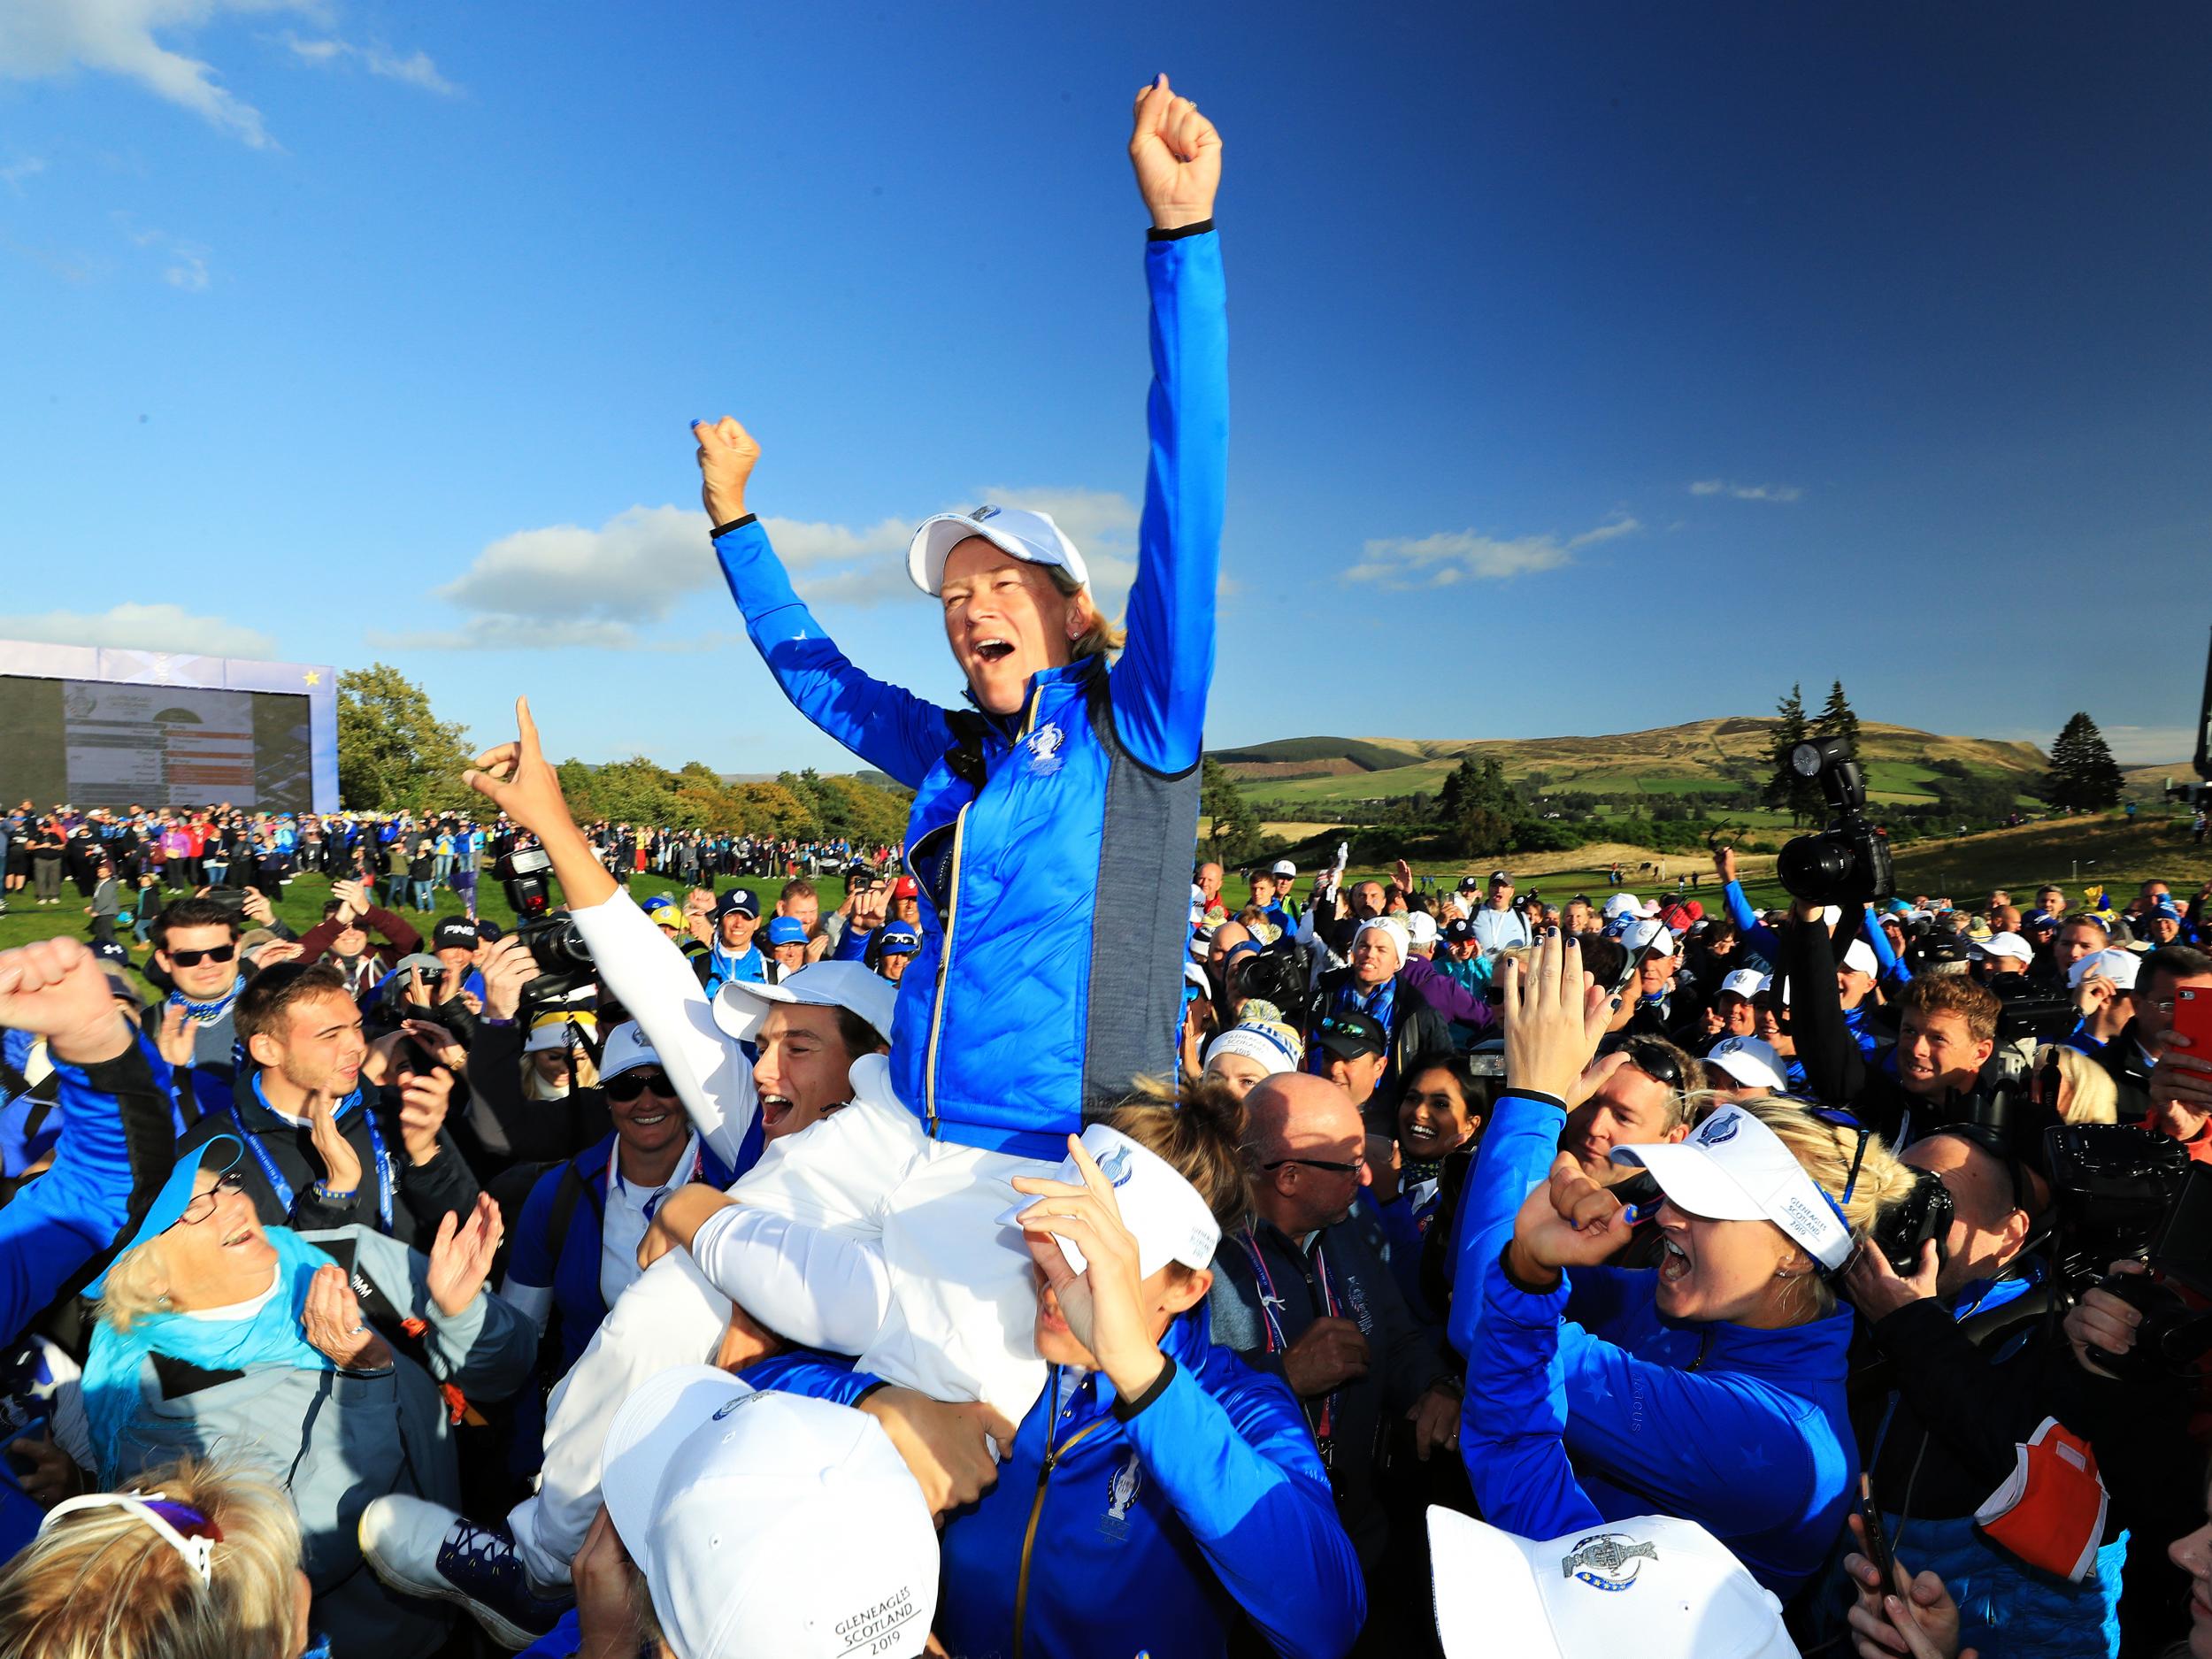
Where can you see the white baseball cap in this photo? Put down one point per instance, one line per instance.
(2006, 945)
(1169, 1221)
(742, 1007)
(2117, 966)
(1283, 867)
(1859, 958)
(1656, 1586)
(1636, 936)
(1622, 904)
(1744, 982)
(1734, 1168)
(628, 1048)
(1031, 537)
(714, 1487)
(1394, 926)
(1750, 1062)
(1420, 930)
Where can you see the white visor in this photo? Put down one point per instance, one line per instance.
(1031, 537)
(1163, 1211)
(1734, 1168)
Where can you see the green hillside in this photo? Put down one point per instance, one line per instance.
(1727, 754)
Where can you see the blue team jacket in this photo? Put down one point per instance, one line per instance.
(1112, 1538)
(1746, 1432)
(1051, 967)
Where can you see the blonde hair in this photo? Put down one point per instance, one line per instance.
(101, 1584)
(2087, 1092)
(134, 1285)
(1827, 1151)
(582, 1073)
(1101, 637)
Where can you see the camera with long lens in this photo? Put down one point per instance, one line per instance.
(550, 935)
(2127, 1194)
(1848, 863)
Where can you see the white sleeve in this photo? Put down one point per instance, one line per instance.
(818, 1289)
(653, 980)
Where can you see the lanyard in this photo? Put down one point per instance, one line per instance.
(1271, 1313)
(696, 1163)
(283, 1188)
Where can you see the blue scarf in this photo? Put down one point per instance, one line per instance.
(272, 1336)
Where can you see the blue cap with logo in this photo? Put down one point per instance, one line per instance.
(738, 899)
(787, 930)
(897, 939)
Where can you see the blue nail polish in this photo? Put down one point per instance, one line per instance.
(1638, 1214)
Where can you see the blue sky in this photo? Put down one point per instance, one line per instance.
(1592, 368)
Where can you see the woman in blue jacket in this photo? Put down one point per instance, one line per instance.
(1711, 1387)
(1160, 1490)
(1051, 968)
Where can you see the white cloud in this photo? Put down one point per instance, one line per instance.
(1452, 557)
(15, 172)
(564, 586)
(1746, 492)
(186, 268)
(158, 627)
(42, 38)
(415, 68)
(2149, 746)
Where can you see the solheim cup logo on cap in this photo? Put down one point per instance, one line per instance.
(1718, 1131)
(981, 513)
(741, 1400)
(1608, 1561)
(1115, 1166)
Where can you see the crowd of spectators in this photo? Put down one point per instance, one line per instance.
(1023, 1257)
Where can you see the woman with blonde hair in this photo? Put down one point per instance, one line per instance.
(198, 1561)
(2073, 1087)
(1711, 1387)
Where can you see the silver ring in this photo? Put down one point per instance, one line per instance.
(357, 1330)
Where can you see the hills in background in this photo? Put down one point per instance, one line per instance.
(1726, 754)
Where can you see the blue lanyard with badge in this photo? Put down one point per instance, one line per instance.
(283, 1188)
(1324, 1423)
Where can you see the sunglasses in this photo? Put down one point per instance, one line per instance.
(203, 1206)
(1655, 1063)
(623, 1090)
(183, 1528)
(1353, 1168)
(193, 958)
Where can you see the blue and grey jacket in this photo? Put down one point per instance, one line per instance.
(1051, 967)
(1120, 1527)
(1746, 1431)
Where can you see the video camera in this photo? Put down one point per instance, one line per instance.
(1848, 863)
(550, 935)
(2124, 1193)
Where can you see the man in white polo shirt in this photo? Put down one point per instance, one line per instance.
(1498, 925)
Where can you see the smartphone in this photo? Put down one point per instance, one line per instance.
(1876, 1539)
(2192, 1019)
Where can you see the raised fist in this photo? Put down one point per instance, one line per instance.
(726, 454)
(1176, 156)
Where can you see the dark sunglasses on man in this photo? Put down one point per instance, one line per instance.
(193, 958)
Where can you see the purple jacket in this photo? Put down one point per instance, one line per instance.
(1445, 994)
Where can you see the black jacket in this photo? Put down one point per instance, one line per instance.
(423, 1193)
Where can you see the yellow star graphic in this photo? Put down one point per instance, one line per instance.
(314, 677)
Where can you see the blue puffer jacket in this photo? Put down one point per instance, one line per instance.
(1051, 967)
(1111, 1534)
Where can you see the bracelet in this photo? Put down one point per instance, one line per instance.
(329, 1197)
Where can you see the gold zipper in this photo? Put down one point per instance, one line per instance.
(1029, 1538)
(944, 958)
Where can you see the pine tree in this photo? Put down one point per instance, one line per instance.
(1479, 810)
(1786, 791)
(2083, 776)
(1234, 827)
(1835, 718)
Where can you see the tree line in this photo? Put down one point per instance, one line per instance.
(395, 755)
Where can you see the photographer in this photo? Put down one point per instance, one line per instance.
(535, 1092)
(2162, 1083)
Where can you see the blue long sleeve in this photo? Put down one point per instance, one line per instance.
(1756, 934)
(1892, 966)
(1242, 1474)
(1513, 1420)
(890, 728)
(115, 1149)
(1517, 1150)
(1158, 687)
